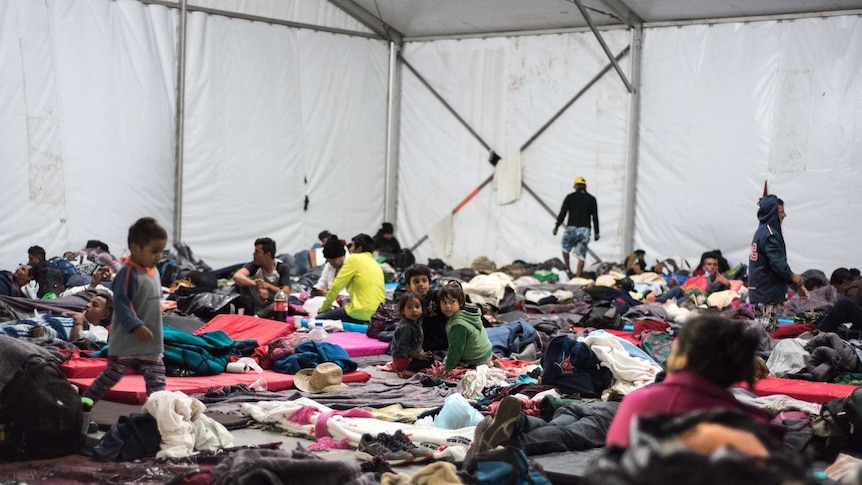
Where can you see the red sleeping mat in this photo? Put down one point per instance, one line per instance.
(131, 388)
(81, 371)
(816, 392)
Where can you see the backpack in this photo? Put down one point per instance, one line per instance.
(40, 414)
(846, 414)
(169, 271)
(65, 266)
(572, 367)
(404, 259)
(386, 315)
(604, 315)
(505, 466)
(50, 279)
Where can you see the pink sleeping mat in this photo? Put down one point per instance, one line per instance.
(358, 344)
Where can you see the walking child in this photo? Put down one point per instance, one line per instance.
(135, 339)
(407, 355)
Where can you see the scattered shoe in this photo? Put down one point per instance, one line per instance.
(370, 448)
(493, 431)
(377, 465)
(401, 442)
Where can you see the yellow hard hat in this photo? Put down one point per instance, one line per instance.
(580, 180)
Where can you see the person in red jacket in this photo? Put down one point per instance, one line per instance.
(710, 354)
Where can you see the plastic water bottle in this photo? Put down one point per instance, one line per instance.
(318, 334)
(86, 407)
(279, 306)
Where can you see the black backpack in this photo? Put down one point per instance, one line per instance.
(846, 414)
(50, 278)
(40, 414)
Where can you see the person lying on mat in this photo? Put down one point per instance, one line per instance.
(260, 280)
(362, 276)
(91, 322)
(17, 283)
(97, 282)
(710, 279)
(72, 326)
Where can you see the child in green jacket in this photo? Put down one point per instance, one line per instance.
(469, 344)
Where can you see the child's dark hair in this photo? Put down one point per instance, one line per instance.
(718, 349)
(405, 299)
(267, 245)
(416, 270)
(453, 290)
(144, 230)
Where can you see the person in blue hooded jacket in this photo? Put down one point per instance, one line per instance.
(768, 271)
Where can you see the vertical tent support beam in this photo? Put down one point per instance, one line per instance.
(629, 199)
(180, 122)
(393, 137)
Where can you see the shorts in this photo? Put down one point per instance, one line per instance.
(575, 239)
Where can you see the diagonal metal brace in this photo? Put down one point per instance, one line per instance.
(605, 47)
(566, 106)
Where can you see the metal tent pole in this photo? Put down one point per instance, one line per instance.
(180, 121)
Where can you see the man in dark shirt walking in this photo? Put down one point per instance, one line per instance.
(581, 207)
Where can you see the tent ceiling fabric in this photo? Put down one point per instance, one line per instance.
(452, 18)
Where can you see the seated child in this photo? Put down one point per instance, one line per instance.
(407, 355)
(469, 344)
(418, 279)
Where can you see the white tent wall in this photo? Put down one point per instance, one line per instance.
(506, 89)
(269, 107)
(728, 106)
(87, 90)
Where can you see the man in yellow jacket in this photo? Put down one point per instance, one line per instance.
(363, 278)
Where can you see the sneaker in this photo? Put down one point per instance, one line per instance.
(377, 466)
(493, 431)
(369, 448)
(401, 442)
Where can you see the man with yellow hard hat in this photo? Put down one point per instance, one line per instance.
(581, 208)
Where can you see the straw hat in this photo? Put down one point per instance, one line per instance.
(326, 377)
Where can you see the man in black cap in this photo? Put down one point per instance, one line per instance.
(335, 254)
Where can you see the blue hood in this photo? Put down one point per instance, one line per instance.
(768, 212)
